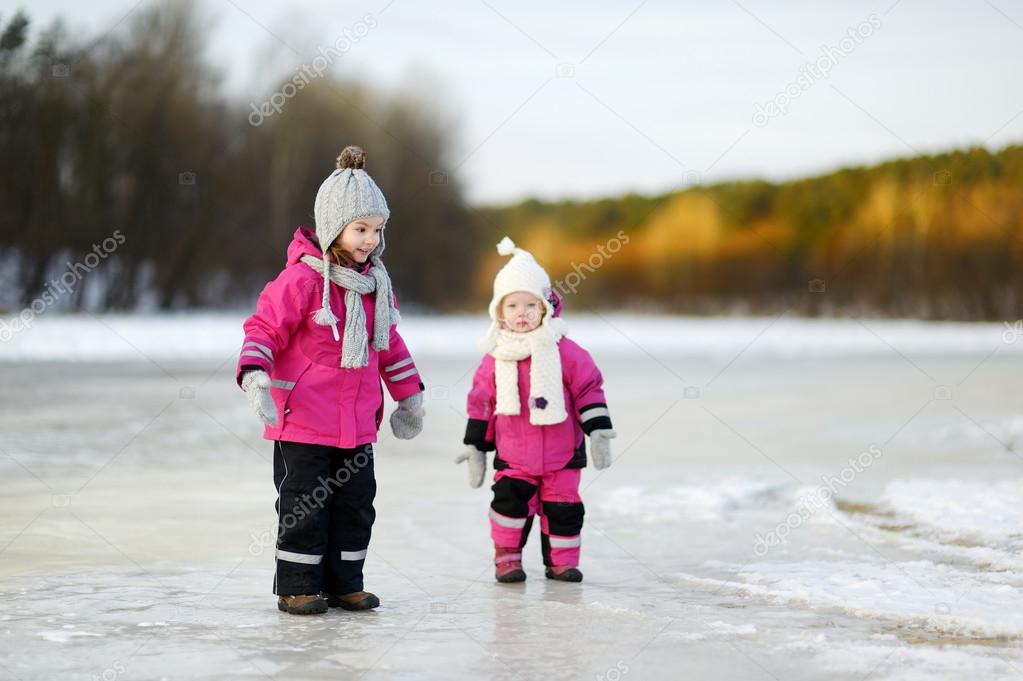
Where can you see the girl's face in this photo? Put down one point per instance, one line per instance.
(359, 238)
(521, 311)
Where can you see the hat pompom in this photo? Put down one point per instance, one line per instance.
(506, 246)
(351, 157)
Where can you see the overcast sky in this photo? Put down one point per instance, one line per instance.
(574, 99)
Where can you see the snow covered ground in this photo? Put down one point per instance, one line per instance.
(791, 500)
(214, 336)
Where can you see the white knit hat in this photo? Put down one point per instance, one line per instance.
(521, 273)
(546, 398)
(348, 193)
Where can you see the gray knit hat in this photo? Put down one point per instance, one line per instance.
(348, 193)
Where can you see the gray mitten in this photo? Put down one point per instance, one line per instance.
(477, 464)
(600, 447)
(256, 385)
(407, 419)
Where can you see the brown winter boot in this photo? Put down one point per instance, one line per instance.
(564, 573)
(305, 604)
(357, 600)
(508, 565)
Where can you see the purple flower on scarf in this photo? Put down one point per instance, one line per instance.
(540, 403)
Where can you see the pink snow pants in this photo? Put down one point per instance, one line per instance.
(519, 496)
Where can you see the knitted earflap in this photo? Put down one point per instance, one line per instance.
(325, 316)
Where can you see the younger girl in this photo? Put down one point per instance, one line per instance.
(322, 338)
(533, 397)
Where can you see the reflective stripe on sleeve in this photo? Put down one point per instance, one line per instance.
(259, 346)
(405, 374)
(398, 365)
(255, 353)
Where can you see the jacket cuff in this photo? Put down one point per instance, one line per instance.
(401, 377)
(595, 417)
(254, 355)
(400, 391)
(244, 369)
(476, 435)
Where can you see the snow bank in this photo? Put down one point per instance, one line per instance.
(921, 593)
(218, 335)
(976, 523)
(985, 512)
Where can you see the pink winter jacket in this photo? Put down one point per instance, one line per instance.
(317, 401)
(538, 449)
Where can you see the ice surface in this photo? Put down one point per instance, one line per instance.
(136, 524)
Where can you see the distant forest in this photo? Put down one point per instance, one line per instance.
(932, 236)
(129, 132)
(121, 146)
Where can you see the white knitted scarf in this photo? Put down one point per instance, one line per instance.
(354, 347)
(546, 385)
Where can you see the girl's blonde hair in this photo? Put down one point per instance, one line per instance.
(339, 255)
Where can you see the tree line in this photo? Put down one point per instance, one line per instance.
(130, 132)
(124, 164)
(934, 236)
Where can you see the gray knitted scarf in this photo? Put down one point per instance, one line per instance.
(354, 347)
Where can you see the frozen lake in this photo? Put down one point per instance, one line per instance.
(790, 500)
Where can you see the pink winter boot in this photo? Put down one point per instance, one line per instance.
(508, 563)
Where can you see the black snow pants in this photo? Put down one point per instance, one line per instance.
(325, 517)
